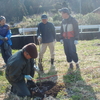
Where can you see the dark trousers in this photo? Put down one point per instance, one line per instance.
(70, 50)
(20, 89)
(6, 53)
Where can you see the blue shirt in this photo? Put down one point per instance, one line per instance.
(5, 32)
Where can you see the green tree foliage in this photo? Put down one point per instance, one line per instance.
(14, 10)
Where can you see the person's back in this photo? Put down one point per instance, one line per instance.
(14, 64)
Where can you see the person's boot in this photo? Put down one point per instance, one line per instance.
(71, 66)
(77, 65)
(40, 65)
(52, 62)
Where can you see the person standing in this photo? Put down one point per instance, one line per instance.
(5, 41)
(46, 35)
(69, 36)
(20, 66)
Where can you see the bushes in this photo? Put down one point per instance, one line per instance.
(88, 19)
(33, 21)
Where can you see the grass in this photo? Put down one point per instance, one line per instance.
(80, 84)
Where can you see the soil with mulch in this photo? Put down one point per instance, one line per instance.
(45, 89)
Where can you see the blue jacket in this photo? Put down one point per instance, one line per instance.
(5, 32)
(47, 32)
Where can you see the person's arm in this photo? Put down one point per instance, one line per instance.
(38, 31)
(61, 32)
(53, 31)
(76, 29)
(8, 35)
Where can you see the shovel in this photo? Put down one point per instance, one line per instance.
(40, 62)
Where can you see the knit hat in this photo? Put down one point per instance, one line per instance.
(2, 17)
(64, 10)
(31, 49)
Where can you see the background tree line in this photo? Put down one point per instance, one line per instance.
(14, 10)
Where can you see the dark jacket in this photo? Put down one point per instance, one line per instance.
(47, 32)
(18, 66)
(71, 28)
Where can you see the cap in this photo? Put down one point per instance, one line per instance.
(64, 10)
(31, 49)
(2, 17)
(44, 17)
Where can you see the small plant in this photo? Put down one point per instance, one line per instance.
(76, 97)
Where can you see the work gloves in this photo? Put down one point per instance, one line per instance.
(61, 41)
(28, 77)
(39, 38)
(75, 42)
(36, 68)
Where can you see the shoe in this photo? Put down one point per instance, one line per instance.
(71, 66)
(3, 67)
(77, 65)
(52, 61)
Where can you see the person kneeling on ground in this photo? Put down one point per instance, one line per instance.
(19, 67)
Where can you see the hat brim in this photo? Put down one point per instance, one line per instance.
(44, 18)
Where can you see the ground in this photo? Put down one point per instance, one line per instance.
(79, 84)
(1, 62)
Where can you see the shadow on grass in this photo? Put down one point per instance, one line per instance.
(53, 74)
(76, 87)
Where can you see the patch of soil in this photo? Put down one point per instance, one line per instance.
(46, 88)
(40, 91)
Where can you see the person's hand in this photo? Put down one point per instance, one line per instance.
(28, 77)
(36, 68)
(6, 38)
(75, 42)
(61, 41)
(39, 38)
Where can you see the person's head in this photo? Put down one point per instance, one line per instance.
(44, 19)
(2, 20)
(65, 13)
(30, 51)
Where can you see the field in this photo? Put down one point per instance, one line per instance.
(80, 84)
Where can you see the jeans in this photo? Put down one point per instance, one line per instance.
(20, 89)
(70, 50)
(6, 53)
